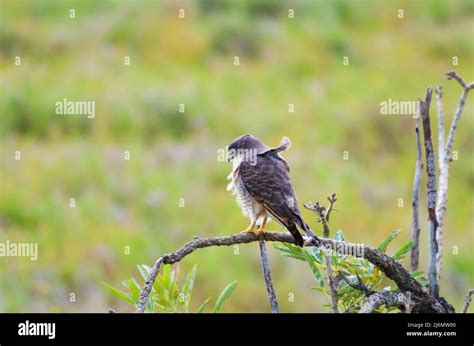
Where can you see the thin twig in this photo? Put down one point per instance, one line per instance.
(387, 298)
(430, 191)
(331, 281)
(467, 300)
(323, 216)
(268, 277)
(415, 228)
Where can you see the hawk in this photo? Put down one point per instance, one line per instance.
(261, 182)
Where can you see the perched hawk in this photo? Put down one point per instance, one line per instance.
(261, 182)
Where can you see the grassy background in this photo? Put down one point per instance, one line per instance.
(173, 155)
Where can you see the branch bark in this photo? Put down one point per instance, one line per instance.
(415, 227)
(443, 180)
(391, 268)
(467, 300)
(268, 277)
(430, 191)
(387, 298)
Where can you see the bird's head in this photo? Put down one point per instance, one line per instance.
(245, 147)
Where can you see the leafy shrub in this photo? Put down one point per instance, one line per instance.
(166, 296)
(349, 299)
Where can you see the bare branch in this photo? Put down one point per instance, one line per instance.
(387, 298)
(323, 216)
(415, 228)
(323, 212)
(145, 291)
(443, 171)
(268, 277)
(430, 191)
(467, 300)
(391, 268)
(331, 283)
(332, 200)
(465, 86)
(445, 154)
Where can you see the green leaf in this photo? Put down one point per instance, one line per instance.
(417, 273)
(122, 295)
(310, 260)
(403, 250)
(167, 276)
(321, 289)
(144, 271)
(134, 289)
(289, 252)
(203, 306)
(339, 235)
(188, 286)
(225, 294)
(383, 246)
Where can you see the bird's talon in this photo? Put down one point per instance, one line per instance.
(250, 229)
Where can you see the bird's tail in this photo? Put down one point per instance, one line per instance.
(307, 229)
(296, 234)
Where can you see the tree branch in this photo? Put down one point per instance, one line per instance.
(323, 216)
(387, 298)
(360, 286)
(268, 277)
(415, 227)
(391, 268)
(430, 191)
(445, 154)
(467, 300)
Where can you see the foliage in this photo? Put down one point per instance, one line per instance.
(349, 299)
(166, 296)
(173, 154)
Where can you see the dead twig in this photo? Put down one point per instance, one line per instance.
(467, 300)
(268, 277)
(323, 217)
(445, 154)
(415, 227)
(430, 191)
(360, 286)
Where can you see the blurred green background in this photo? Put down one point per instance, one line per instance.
(190, 61)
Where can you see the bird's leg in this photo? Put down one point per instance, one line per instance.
(261, 229)
(250, 228)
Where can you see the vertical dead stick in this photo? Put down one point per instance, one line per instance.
(443, 181)
(445, 153)
(415, 227)
(467, 300)
(323, 216)
(430, 191)
(331, 283)
(268, 277)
